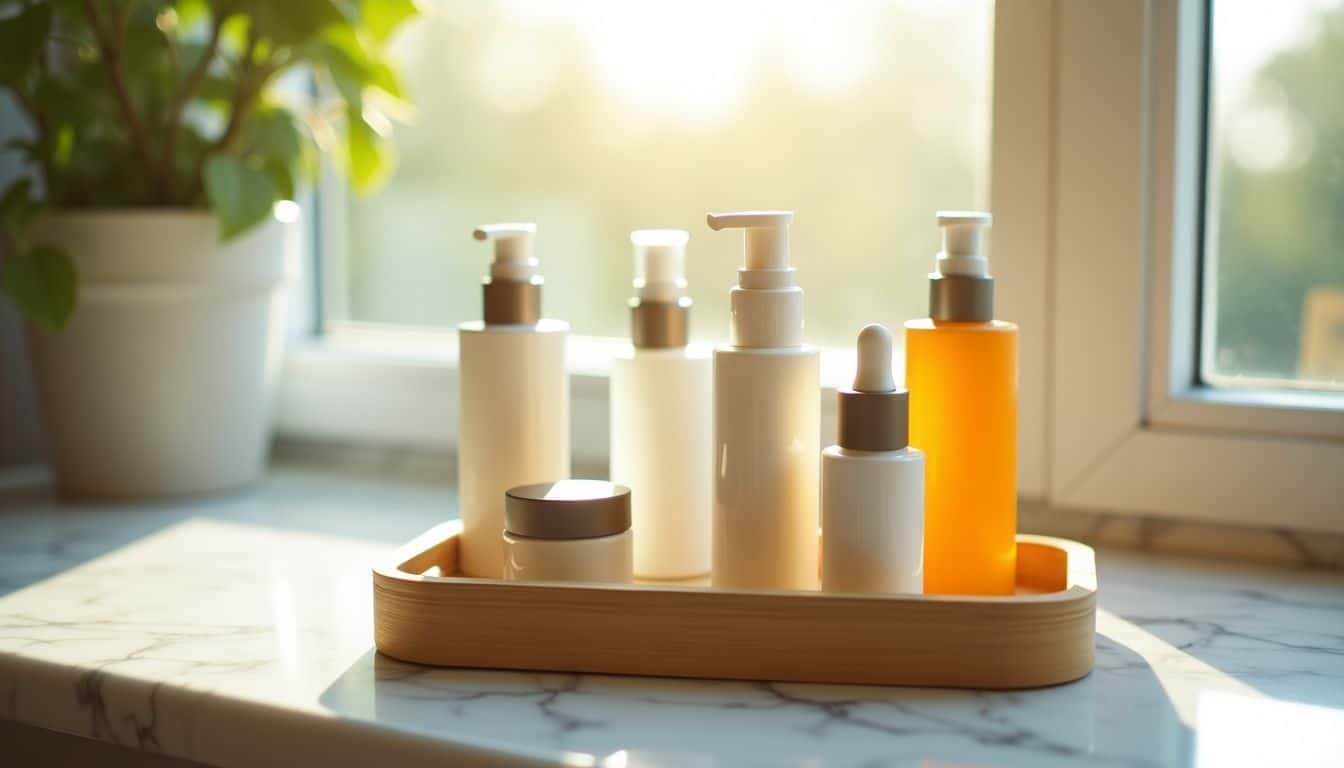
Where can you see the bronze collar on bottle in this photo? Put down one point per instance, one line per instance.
(873, 421)
(961, 298)
(660, 324)
(511, 302)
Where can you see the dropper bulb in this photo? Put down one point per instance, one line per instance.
(873, 373)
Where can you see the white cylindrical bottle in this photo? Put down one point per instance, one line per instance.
(872, 483)
(514, 415)
(660, 416)
(766, 420)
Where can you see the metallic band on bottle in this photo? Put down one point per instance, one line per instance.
(961, 298)
(873, 421)
(511, 302)
(660, 324)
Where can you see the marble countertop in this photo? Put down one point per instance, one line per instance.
(236, 631)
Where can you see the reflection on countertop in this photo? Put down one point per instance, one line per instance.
(236, 630)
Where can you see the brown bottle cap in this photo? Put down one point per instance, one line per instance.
(567, 509)
(660, 324)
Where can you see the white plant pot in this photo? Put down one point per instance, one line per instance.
(162, 382)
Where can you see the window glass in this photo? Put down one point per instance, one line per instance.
(596, 118)
(1274, 229)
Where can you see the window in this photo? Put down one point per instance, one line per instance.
(1176, 359)
(1274, 221)
(597, 118)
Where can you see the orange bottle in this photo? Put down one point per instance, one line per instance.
(961, 371)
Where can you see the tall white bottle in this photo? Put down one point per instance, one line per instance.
(766, 420)
(514, 416)
(660, 416)
(872, 483)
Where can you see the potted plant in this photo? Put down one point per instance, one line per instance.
(143, 244)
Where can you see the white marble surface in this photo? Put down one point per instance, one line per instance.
(236, 631)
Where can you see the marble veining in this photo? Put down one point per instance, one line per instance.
(237, 631)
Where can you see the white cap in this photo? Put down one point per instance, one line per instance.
(513, 250)
(962, 252)
(767, 304)
(660, 263)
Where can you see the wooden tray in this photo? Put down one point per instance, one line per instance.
(1041, 636)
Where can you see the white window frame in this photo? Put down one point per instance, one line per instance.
(1100, 213)
(1094, 182)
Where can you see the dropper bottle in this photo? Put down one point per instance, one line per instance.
(961, 370)
(514, 397)
(766, 420)
(660, 416)
(872, 483)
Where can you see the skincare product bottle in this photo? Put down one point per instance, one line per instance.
(872, 483)
(514, 416)
(961, 370)
(766, 420)
(571, 530)
(660, 416)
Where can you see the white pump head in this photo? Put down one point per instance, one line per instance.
(873, 373)
(767, 304)
(767, 240)
(963, 234)
(660, 264)
(513, 250)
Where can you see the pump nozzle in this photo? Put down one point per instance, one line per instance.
(513, 249)
(962, 235)
(660, 263)
(767, 234)
(767, 304)
(511, 295)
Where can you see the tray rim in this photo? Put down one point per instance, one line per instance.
(1080, 575)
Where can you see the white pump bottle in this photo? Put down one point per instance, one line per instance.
(660, 416)
(514, 416)
(766, 420)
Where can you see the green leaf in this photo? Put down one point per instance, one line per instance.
(292, 22)
(242, 195)
(21, 38)
(271, 131)
(355, 66)
(382, 17)
(369, 158)
(41, 280)
(17, 210)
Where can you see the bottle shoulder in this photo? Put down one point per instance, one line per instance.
(901, 455)
(925, 324)
(545, 325)
(803, 350)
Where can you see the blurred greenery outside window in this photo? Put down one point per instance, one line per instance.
(594, 118)
(1274, 218)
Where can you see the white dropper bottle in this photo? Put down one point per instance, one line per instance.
(514, 397)
(766, 420)
(872, 483)
(660, 416)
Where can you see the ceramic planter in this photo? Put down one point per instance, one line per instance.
(162, 382)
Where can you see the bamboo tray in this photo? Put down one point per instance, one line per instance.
(1041, 636)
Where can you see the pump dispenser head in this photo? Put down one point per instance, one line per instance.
(961, 290)
(767, 304)
(511, 294)
(874, 415)
(660, 310)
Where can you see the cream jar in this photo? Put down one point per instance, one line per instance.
(570, 530)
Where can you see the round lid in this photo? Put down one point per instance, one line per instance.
(567, 509)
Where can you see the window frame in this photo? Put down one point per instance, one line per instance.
(1126, 221)
(1069, 77)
